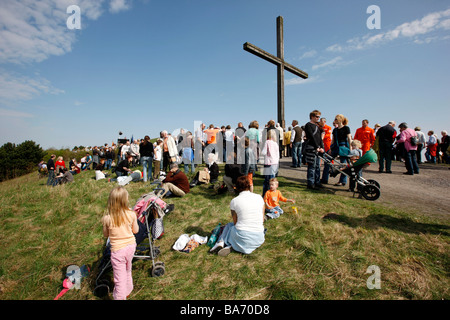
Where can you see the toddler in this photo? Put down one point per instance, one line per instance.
(120, 225)
(272, 198)
(354, 154)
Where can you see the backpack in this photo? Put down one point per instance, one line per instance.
(414, 140)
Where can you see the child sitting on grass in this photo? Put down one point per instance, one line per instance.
(272, 200)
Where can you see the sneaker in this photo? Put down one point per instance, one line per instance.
(217, 247)
(224, 252)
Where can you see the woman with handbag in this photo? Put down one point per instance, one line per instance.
(341, 146)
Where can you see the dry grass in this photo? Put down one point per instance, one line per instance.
(305, 256)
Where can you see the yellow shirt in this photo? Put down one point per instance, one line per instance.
(121, 236)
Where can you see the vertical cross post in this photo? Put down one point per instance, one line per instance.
(281, 66)
(280, 72)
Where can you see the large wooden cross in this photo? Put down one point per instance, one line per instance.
(281, 66)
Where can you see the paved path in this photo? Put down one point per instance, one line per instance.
(427, 192)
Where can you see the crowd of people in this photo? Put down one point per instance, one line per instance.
(244, 151)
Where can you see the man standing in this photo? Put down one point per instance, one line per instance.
(169, 149)
(445, 142)
(326, 138)
(51, 169)
(421, 144)
(314, 145)
(199, 144)
(410, 157)
(296, 144)
(366, 135)
(386, 136)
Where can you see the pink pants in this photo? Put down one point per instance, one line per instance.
(121, 262)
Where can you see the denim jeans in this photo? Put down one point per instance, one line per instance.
(325, 173)
(51, 177)
(269, 172)
(189, 165)
(108, 164)
(274, 213)
(147, 164)
(411, 162)
(313, 172)
(343, 177)
(429, 157)
(297, 154)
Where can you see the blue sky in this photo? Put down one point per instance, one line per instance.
(142, 66)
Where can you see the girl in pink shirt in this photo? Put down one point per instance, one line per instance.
(120, 225)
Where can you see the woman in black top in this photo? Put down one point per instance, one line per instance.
(343, 137)
(147, 153)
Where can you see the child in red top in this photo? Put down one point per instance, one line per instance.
(272, 200)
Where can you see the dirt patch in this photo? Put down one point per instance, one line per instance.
(423, 193)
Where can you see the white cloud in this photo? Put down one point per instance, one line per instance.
(15, 87)
(13, 113)
(414, 29)
(299, 81)
(32, 31)
(308, 54)
(328, 63)
(119, 5)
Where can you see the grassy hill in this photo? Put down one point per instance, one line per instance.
(305, 256)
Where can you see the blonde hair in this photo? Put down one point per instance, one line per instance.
(342, 119)
(356, 143)
(118, 206)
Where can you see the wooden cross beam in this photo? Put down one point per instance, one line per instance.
(281, 66)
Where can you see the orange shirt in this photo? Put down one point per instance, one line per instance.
(211, 135)
(366, 136)
(273, 198)
(327, 137)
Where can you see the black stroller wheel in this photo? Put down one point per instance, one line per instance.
(102, 288)
(370, 192)
(374, 182)
(158, 270)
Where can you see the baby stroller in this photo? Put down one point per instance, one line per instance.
(369, 189)
(151, 210)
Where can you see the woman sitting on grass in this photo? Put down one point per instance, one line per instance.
(246, 232)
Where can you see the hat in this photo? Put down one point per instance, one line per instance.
(417, 128)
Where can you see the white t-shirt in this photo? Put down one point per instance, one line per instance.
(249, 208)
(157, 153)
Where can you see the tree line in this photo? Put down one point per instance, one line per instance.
(17, 160)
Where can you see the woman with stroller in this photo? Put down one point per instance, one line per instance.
(342, 138)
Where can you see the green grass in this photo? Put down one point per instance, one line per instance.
(43, 230)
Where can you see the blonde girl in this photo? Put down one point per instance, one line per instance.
(120, 225)
(343, 137)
